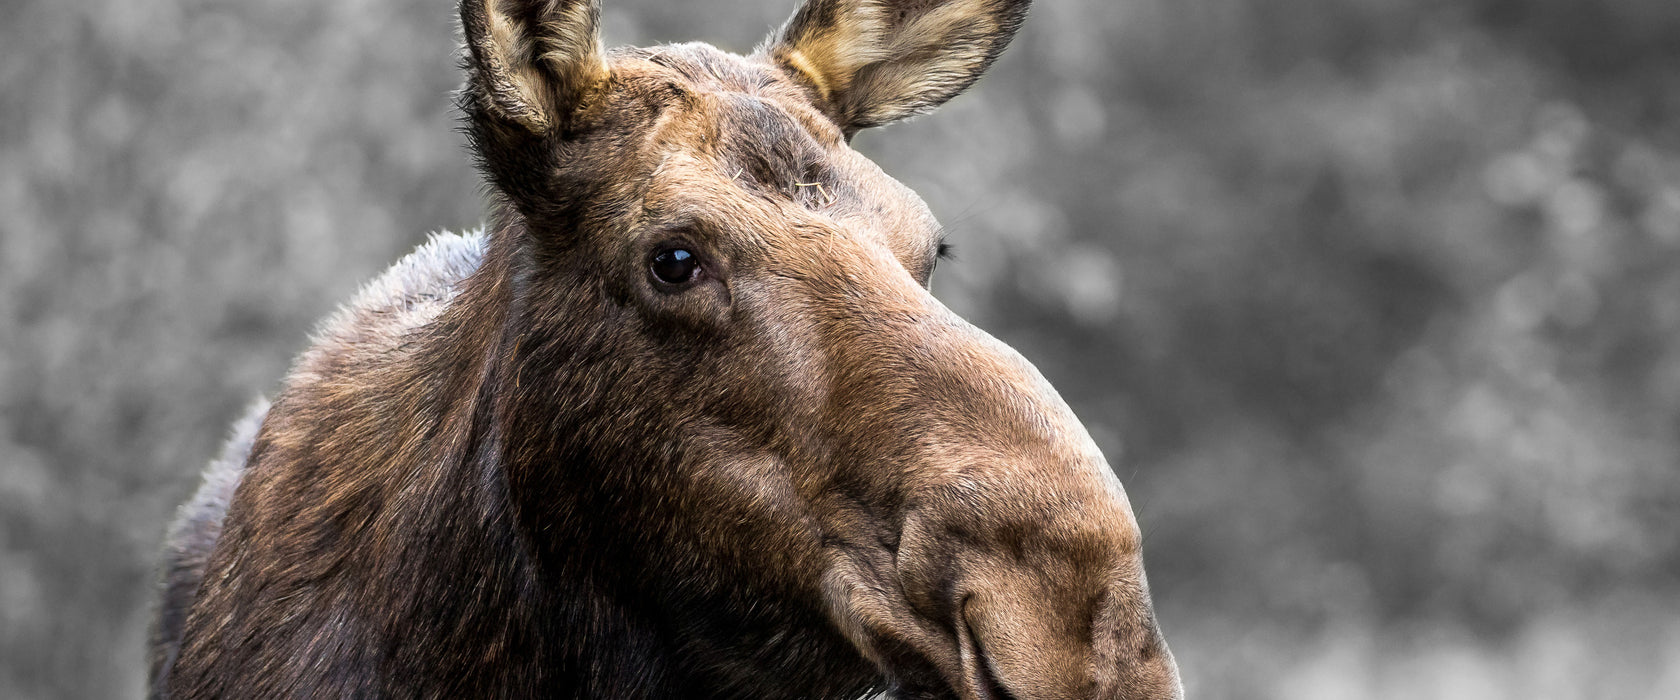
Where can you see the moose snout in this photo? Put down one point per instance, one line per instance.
(1049, 605)
(1019, 641)
(1010, 567)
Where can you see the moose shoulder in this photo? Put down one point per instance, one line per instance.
(683, 421)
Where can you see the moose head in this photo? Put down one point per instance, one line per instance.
(740, 299)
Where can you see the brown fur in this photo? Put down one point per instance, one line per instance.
(519, 466)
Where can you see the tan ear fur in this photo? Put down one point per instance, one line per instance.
(876, 61)
(533, 62)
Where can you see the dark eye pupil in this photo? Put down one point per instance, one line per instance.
(675, 266)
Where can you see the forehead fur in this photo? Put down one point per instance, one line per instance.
(747, 122)
(745, 104)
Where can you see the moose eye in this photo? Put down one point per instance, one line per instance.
(675, 266)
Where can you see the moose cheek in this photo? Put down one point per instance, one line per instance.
(700, 308)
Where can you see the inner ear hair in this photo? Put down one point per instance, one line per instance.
(871, 62)
(533, 62)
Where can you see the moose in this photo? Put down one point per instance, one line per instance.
(681, 421)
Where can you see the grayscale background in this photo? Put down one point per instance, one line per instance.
(1375, 304)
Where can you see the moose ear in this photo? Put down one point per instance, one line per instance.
(871, 62)
(532, 62)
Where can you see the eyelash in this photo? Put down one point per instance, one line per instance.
(945, 251)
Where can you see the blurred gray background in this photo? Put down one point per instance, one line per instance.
(1374, 303)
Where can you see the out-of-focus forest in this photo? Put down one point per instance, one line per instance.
(1374, 304)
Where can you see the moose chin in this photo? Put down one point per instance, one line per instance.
(681, 421)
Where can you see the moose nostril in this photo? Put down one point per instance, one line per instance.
(984, 676)
(988, 681)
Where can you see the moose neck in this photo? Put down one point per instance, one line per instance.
(477, 620)
(591, 645)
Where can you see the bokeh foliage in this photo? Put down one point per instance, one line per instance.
(1373, 304)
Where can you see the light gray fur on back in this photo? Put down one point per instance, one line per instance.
(408, 294)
